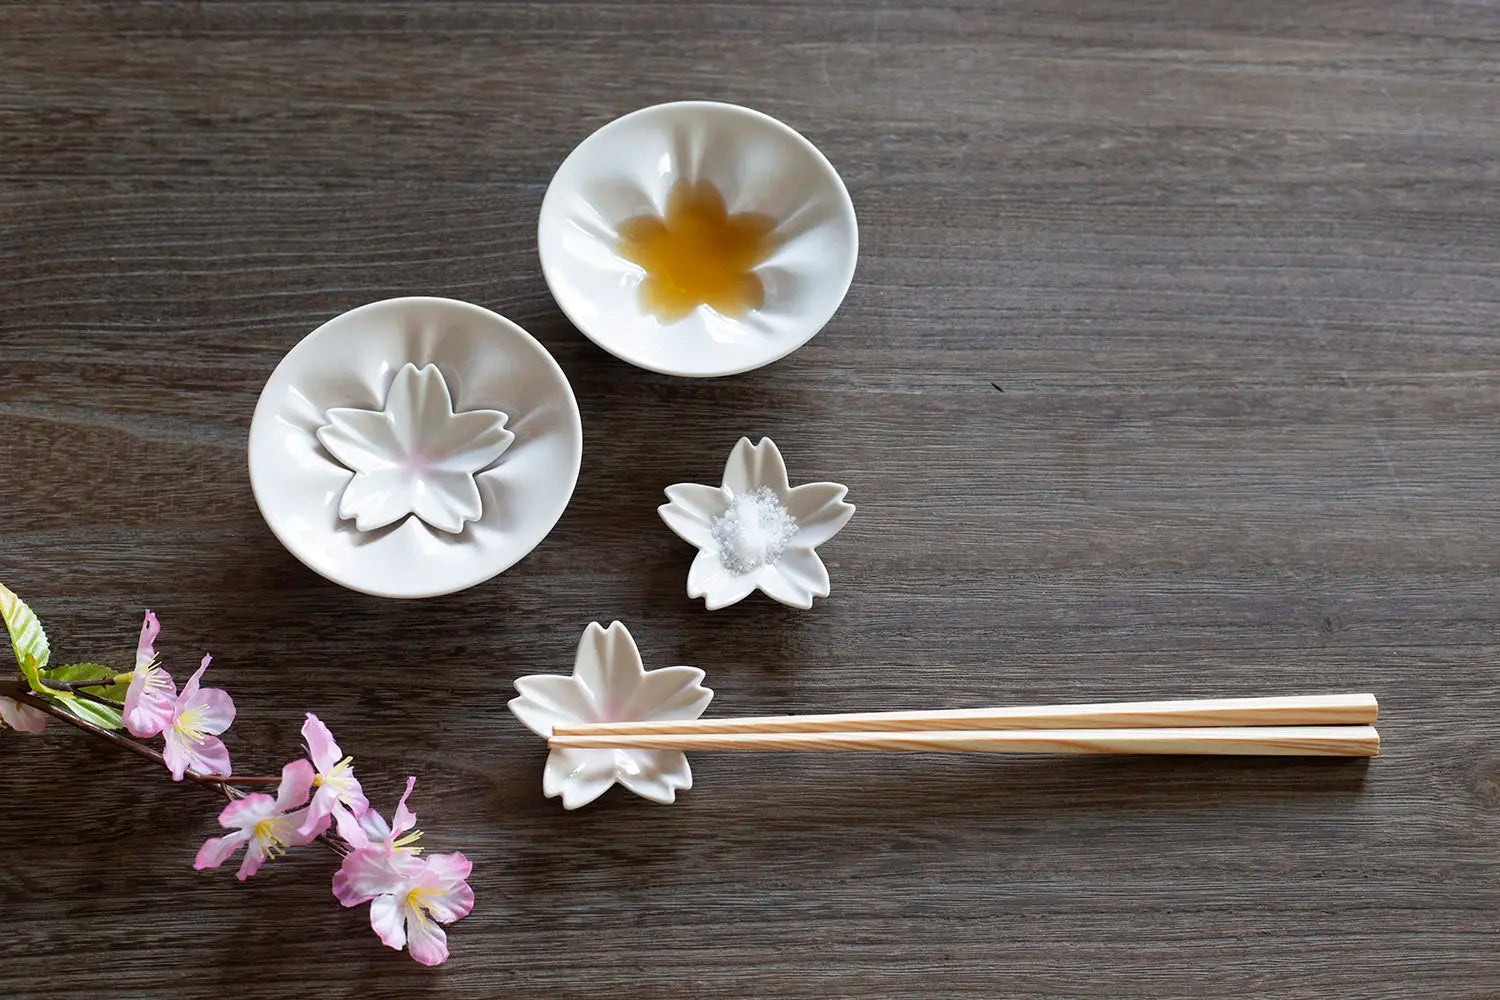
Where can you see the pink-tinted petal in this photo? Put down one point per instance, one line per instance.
(145, 650)
(388, 922)
(324, 751)
(446, 870)
(373, 829)
(150, 702)
(307, 826)
(191, 687)
(246, 812)
(251, 862)
(352, 794)
(373, 871)
(404, 819)
(450, 904)
(425, 940)
(207, 756)
(22, 718)
(215, 709)
(216, 850)
(176, 755)
(296, 782)
(348, 826)
(320, 809)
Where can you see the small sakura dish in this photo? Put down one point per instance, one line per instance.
(609, 683)
(754, 531)
(414, 447)
(698, 239)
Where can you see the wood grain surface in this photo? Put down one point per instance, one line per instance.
(1168, 371)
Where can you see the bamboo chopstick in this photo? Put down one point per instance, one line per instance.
(1301, 710)
(1278, 741)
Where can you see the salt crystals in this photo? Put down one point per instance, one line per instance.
(753, 532)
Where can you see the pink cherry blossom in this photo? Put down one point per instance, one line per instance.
(21, 718)
(409, 896)
(266, 827)
(198, 717)
(151, 696)
(338, 792)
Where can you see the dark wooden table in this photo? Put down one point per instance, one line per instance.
(1168, 370)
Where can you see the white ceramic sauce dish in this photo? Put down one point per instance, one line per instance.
(414, 447)
(627, 168)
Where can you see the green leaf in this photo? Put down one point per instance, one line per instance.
(106, 716)
(87, 671)
(27, 638)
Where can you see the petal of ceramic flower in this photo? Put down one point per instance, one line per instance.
(691, 511)
(779, 587)
(425, 940)
(708, 579)
(547, 699)
(22, 718)
(145, 650)
(654, 774)
(446, 500)
(467, 442)
(579, 776)
(804, 570)
(362, 440)
(608, 665)
(754, 465)
(820, 511)
(375, 499)
(422, 395)
(388, 922)
(668, 693)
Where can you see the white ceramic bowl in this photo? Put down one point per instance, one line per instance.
(626, 168)
(352, 363)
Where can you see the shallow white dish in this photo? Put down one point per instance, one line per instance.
(626, 168)
(733, 561)
(609, 683)
(352, 362)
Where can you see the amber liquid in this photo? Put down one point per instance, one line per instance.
(697, 254)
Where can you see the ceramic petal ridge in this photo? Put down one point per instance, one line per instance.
(610, 683)
(797, 574)
(415, 455)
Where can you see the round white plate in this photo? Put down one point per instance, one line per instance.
(626, 168)
(488, 363)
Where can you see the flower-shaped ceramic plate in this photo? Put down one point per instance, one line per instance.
(468, 366)
(609, 683)
(626, 169)
(789, 571)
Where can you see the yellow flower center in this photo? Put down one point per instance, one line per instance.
(417, 902)
(337, 776)
(190, 725)
(403, 843)
(271, 835)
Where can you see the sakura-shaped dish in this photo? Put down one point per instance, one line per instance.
(698, 238)
(755, 531)
(414, 447)
(609, 683)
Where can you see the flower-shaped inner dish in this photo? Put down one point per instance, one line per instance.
(609, 683)
(698, 238)
(756, 531)
(414, 456)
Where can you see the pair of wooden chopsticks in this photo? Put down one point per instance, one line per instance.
(1336, 725)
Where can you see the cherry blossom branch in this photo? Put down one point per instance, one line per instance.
(76, 685)
(19, 692)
